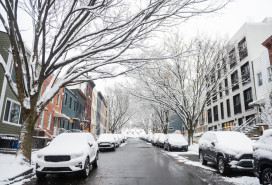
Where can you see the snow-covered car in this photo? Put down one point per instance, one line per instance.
(155, 138)
(229, 150)
(263, 158)
(106, 142)
(175, 142)
(117, 140)
(149, 138)
(161, 140)
(68, 152)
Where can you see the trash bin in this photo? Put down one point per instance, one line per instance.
(15, 144)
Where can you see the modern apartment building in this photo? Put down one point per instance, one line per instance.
(230, 107)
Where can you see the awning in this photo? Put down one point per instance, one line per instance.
(59, 115)
(257, 102)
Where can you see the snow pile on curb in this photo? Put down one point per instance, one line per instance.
(242, 180)
(176, 155)
(10, 170)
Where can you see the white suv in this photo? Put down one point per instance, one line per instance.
(68, 152)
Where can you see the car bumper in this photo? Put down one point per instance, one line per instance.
(73, 165)
(242, 165)
(175, 147)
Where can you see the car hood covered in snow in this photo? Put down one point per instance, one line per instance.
(233, 143)
(177, 139)
(106, 138)
(65, 144)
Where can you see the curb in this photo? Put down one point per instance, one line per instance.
(24, 175)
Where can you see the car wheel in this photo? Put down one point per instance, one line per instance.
(95, 162)
(267, 176)
(40, 175)
(86, 170)
(221, 166)
(201, 158)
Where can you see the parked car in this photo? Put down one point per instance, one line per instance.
(106, 142)
(161, 140)
(175, 142)
(117, 140)
(229, 150)
(68, 152)
(155, 138)
(263, 158)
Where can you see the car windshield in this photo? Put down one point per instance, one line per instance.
(69, 139)
(175, 137)
(106, 137)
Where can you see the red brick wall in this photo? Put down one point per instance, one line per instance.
(51, 107)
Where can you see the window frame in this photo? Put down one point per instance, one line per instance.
(20, 112)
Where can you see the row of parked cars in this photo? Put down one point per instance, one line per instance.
(230, 151)
(74, 152)
(110, 141)
(169, 142)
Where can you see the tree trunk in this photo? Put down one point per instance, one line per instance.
(26, 134)
(190, 136)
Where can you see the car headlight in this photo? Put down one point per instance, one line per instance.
(40, 156)
(232, 157)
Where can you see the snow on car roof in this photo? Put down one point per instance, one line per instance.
(264, 145)
(70, 139)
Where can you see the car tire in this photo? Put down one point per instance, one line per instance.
(221, 166)
(95, 165)
(267, 176)
(201, 158)
(40, 175)
(85, 172)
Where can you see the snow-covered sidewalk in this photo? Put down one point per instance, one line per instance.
(182, 157)
(11, 171)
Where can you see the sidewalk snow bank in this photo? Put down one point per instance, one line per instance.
(243, 180)
(9, 168)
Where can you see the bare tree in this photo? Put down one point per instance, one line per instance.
(77, 41)
(185, 84)
(119, 108)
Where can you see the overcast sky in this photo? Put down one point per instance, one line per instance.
(224, 23)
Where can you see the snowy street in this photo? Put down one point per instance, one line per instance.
(138, 162)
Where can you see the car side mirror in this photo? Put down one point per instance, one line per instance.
(48, 143)
(90, 144)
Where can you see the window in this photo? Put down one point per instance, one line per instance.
(245, 71)
(226, 87)
(170, 128)
(49, 121)
(208, 98)
(222, 110)
(228, 108)
(220, 90)
(65, 99)
(58, 97)
(207, 81)
(214, 96)
(41, 119)
(248, 98)
(260, 79)
(269, 74)
(12, 112)
(224, 65)
(70, 105)
(210, 116)
(219, 74)
(212, 77)
(242, 47)
(234, 81)
(232, 58)
(240, 121)
(215, 113)
(237, 104)
(75, 106)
